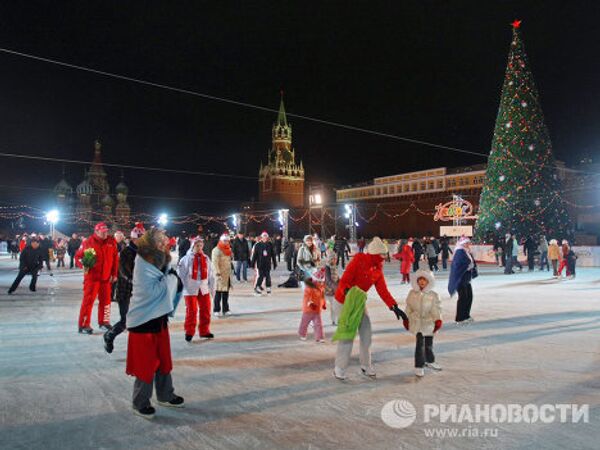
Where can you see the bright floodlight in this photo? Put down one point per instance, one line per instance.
(348, 207)
(163, 219)
(234, 220)
(318, 199)
(52, 216)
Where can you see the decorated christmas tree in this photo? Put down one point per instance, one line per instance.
(522, 190)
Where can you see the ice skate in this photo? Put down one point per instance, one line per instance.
(433, 366)
(419, 372)
(147, 412)
(175, 402)
(368, 371)
(85, 330)
(339, 374)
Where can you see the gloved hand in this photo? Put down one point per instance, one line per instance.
(399, 313)
(406, 324)
(438, 325)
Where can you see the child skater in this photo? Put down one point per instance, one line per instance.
(331, 284)
(424, 311)
(407, 258)
(312, 305)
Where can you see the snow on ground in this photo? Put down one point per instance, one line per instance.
(535, 340)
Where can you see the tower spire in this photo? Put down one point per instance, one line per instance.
(281, 119)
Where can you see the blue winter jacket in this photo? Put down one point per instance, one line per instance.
(460, 273)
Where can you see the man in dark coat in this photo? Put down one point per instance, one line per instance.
(289, 254)
(341, 247)
(445, 250)
(241, 256)
(418, 251)
(508, 251)
(277, 247)
(30, 263)
(124, 286)
(529, 248)
(263, 254)
(72, 247)
(45, 246)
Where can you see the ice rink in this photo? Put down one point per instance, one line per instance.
(535, 341)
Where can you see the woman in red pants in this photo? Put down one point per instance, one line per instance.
(198, 282)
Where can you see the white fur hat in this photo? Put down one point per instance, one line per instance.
(264, 234)
(422, 274)
(553, 242)
(307, 237)
(376, 247)
(224, 237)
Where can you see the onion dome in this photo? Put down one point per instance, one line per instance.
(63, 188)
(121, 188)
(85, 188)
(107, 200)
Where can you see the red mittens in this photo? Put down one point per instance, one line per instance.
(406, 324)
(438, 325)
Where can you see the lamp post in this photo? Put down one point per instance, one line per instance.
(350, 214)
(52, 218)
(283, 218)
(315, 200)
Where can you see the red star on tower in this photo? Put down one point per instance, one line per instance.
(516, 24)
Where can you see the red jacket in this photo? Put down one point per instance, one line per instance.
(107, 258)
(407, 257)
(364, 271)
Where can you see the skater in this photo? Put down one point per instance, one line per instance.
(312, 305)
(508, 251)
(120, 240)
(309, 256)
(61, 251)
(124, 285)
(418, 252)
(544, 253)
(241, 257)
(342, 249)
(46, 248)
(263, 256)
(155, 286)
(364, 271)
(331, 284)
(446, 251)
(30, 263)
(571, 261)
(432, 255)
(98, 279)
(289, 254)
(462, 271)
(515, 253)
(221, 266)
(183, 245)
(565, 248)
(554, 256)
(196, 273)
(529, 249)
(424, 311)
(72, 247)
(406, 257)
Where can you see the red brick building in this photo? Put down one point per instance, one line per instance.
(281, 180)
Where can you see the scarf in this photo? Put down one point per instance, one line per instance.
(225, 248)
(199, 262)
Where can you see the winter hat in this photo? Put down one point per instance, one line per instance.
(100, 227)
(376, 247)
(137, 231)
(422, 274)
(565, 242)
(463, 241)
(264, 234)
(318, 276)
(224, 237)
(307, 237)
(553, 242)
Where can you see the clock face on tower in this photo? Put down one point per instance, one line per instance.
(287, 157)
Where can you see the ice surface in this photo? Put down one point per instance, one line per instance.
(535, 340)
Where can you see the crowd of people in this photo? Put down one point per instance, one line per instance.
(138, 273)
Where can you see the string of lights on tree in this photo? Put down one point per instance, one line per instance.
(521, 172)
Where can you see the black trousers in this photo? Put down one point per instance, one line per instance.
(72, 261)
(433, 260)
(531, 261)
(289, 265)
(121, 325)
(60, 262)
(47, 261)
(424, 350)
(465, 300)
(221, 298)
(341, 259)
(416, 263)
(20, 276)
(263, 274)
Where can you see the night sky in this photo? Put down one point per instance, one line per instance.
(429, 70)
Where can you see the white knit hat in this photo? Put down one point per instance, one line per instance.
(376, 247)
(137, 231)
(264, 234)
(224, 237)
(306, 238)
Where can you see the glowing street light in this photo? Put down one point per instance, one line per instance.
(163, 219)
(52, 218)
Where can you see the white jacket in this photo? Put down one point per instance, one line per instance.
(423, 307)
(191, 286)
